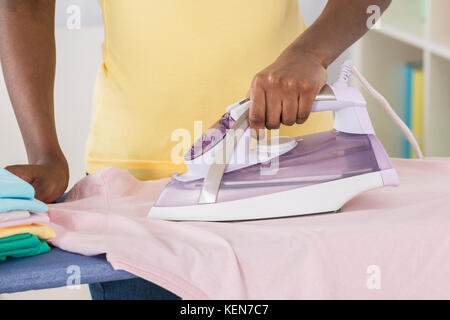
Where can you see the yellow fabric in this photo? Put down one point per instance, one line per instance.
(41, 231)
(170, 63)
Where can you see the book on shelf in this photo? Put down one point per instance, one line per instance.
(413, 108)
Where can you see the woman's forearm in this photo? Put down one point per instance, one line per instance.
(27, 54)
(341, 23)
(284, 91)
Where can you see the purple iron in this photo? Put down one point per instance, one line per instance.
(232, 178)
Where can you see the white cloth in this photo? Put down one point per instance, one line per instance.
(13, 215)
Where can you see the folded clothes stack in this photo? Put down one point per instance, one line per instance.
(23, 228)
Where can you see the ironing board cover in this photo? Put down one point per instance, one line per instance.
(53, 269)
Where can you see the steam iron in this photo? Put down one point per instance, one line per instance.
(229, 179)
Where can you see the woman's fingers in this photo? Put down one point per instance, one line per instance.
(281, 98)
(306, 100)
(257, 113)
(273, 110)
(289, 109)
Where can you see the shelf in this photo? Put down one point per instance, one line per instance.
(414, 40)
(408, 17)
(437, 113)
(401, 35)
(422, 24)
(411, 31)
(439, 50)
(382, 60)
(440, 24)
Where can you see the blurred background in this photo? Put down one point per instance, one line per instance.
(407, 59)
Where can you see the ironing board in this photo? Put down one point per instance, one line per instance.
(50, 270)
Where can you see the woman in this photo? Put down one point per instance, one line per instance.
(167, 64)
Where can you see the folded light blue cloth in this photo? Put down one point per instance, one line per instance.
(16, 194)
(14, 204)
(12, 186)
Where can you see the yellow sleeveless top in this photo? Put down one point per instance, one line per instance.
(169, 64)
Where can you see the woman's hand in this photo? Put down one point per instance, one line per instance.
(285, 91)
(49, 177)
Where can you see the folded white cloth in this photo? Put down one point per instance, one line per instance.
(13, 215)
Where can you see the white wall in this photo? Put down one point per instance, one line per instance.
(90, 10)
(311, 9)
(78, 57)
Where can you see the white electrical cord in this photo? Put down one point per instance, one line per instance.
(387, 107)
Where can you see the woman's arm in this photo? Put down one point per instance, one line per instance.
(285, 91)
(27, 54)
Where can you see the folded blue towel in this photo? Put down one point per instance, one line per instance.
(16, 194)
(12, 186)
(14, 204)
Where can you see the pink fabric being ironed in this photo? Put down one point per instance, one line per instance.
(388, 243)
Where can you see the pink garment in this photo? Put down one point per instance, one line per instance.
(33, 218)
(389, 243)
